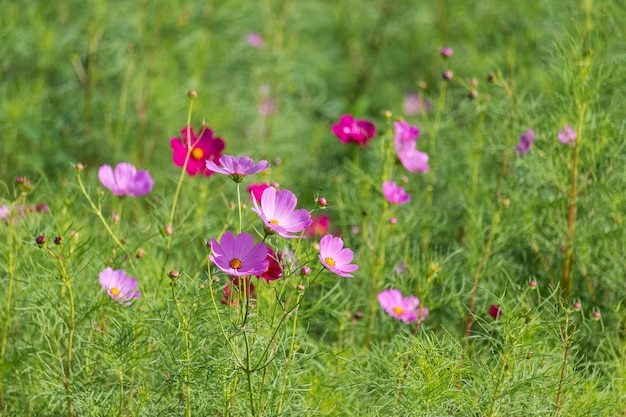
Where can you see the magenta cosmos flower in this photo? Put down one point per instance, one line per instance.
(402, 308)
(335, 257)
(203, 148)
(119, 286)
(525, 142)
(274, 270)
(395, 194)
(404, 141)
(350, 130)
(567, 136)
(256, 191)
(239, 256)
(237, 168)
(125, 180)
(277, 210)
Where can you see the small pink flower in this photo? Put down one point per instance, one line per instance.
(119, 286)
(395, 194)
(415, 104)
(203, 148)
(239, 256)
(125, 180)
(567, 136)
(446, 52)
(237, 168)
(402, 308)
(256, 40)
(335, 257)
(350, 130)
(404, 141)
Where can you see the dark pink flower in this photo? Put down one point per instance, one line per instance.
(335, 257)
(319, 226)
(237, 168)
(277, 210)
(495, 311)
(567, 136)
(525, 142)
(350, 130)
(239, 256)
(256, 191)
(119, 286)
(125, 180)
(274, 270)
(203, 148)
(395, 194)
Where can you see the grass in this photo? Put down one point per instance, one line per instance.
(107, 82)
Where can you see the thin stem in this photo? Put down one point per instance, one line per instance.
(239, 208)
(121, 379)
(565, 338)
(98, 213)
(185, 326)
(290, 357)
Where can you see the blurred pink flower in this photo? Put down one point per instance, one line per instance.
(395, 194)
(335, 257)
(237, 168)
(119, 286)
(405, 140)
(525, 142)
(239, 256)
(415, 104)
(255, 39)
(277, 210)
(402, 308)
(319, 226)
(203, 148)
(567, 136)
(125, 180)
(350, 130)
(446, 52)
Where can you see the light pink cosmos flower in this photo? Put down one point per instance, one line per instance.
(125, 180)
(335, 257)
(239, 256)
(567, 136)
(255, 39)
(350, 130)
(404, 142)
(277, 210)
(237, 168)
(402, 308)
(395, 194)
(119, 286)
(415, 104)
(203, 147)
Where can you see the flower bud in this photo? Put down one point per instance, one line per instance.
(305, 271)
(173, 274)
(447, 75)
(41, 240)
(58, 240)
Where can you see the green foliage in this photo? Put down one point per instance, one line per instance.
(105, 82)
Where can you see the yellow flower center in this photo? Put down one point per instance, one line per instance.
(398, 310)
(330, 261)
(274, 221)
(115, 291)
(197, 154)
(235, 263)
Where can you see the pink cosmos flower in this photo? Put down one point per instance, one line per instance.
(125, 180)
(239, 256)
(335, 257)
(256, 40)
(567, 136)
(415, 104)
(274, 270)
(350, 130)
(402, 308)
(204, 147)
(277, 210)
(119, 286)
(256, 190)
(237, 168)
(319, 226)
(404, 142)
(395, 194)
(525, 142)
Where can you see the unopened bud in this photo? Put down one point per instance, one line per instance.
(58, 240)
(41, 239)
(173, 274)
(305, 271)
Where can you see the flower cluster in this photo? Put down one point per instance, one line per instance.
(402, 308)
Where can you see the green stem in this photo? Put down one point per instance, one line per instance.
(98, 213)
(185, 326)
(290, 357)
(239, 208)
(121, 379)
